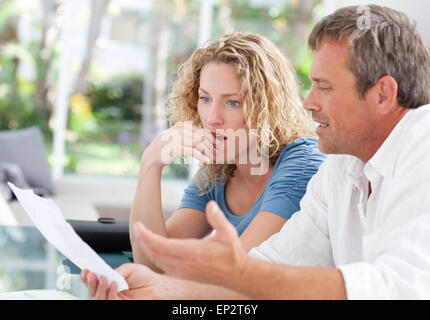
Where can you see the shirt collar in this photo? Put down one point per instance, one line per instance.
(380, 161)
(355, 167)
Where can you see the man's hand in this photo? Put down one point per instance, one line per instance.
(143, 284)
(216, 259)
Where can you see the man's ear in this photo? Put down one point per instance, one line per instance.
(386, 94)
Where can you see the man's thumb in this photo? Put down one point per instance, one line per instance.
(218, 221)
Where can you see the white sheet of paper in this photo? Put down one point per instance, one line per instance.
(47, 217)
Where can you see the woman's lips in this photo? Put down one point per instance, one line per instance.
(219, 137)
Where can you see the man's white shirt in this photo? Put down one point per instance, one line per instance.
(381, 242)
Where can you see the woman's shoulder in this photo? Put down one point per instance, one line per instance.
(296, 164)
(302, 149)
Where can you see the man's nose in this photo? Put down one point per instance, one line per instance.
(311, 102)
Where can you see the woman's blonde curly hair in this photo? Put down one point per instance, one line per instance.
(271, 100)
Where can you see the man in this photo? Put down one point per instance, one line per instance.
(363, 230)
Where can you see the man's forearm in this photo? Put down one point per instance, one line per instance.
(212, 292)
(264, 280)
(179, 289)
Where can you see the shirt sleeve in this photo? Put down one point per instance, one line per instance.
(288, 185)
(192, 198)
(304, 239)
(396, 262)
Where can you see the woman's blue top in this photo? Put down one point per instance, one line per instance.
(295, 166)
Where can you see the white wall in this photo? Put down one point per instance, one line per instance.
(416, 10)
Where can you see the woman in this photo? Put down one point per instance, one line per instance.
(239, 86)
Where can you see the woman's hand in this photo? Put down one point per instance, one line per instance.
(183, 139)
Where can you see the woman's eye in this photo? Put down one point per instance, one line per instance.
(205, 99)
(234, 103)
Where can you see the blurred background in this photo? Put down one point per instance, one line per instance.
(94, 75)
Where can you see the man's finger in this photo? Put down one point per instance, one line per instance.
(126, 269)
(112, 293)
(219, 222)
(154, 243)
(167, 254)
(92, 283)
(101, 293)
(84, 274)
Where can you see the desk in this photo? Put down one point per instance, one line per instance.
(29, 262)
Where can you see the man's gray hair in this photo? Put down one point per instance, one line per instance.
(382, 42)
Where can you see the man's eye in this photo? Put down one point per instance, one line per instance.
(324, 88)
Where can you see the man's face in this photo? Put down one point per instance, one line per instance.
(344, 119)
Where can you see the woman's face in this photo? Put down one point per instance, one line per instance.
(220, 110)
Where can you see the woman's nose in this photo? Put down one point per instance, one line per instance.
(215, 116)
